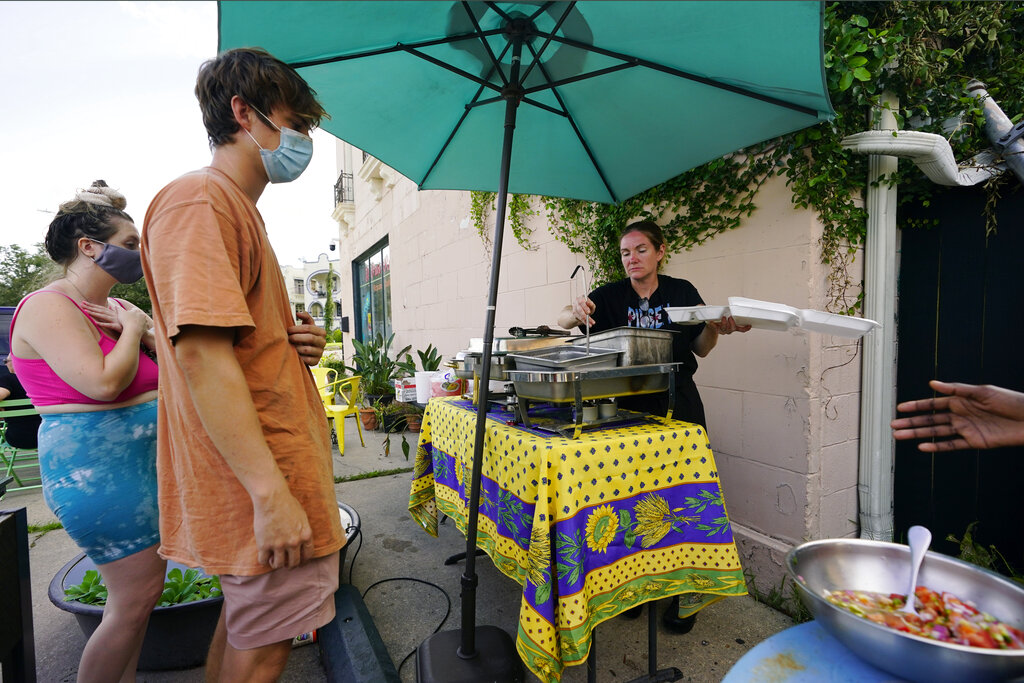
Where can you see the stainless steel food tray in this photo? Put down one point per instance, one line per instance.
(474, 366)
(577, 386)
(639, 346)
(507, 344)
(560, 387)
(564, 358)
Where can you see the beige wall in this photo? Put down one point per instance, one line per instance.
(783, 407)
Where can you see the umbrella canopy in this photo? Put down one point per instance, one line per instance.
(642, 90)
(586, 100)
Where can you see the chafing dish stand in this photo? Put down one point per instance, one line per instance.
(581, 382)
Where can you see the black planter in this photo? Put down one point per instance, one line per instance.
(393, 424)
(383, 399)
(178, 636)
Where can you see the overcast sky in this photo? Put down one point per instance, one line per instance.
(105, 90)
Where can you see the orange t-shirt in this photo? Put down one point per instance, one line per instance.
(208, 262)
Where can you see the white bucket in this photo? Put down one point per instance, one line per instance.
(423, 386)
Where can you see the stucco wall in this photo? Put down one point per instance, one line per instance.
(783, 407)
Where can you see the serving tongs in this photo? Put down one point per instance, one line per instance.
(542, 330)
(586, 283)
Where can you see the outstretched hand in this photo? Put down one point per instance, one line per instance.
(308, 339)
(968, 416)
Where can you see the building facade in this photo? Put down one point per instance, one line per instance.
(783, 408)
(307, 289)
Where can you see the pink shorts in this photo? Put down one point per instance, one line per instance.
(281, 604)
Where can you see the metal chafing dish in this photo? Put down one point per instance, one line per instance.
(565, 358)
(474, 366)
(577, 386)
(513, 344)
(639, 346)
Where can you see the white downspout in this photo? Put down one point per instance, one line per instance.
(878, 382)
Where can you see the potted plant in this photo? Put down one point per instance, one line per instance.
(180, 628)
(430, 361)
(414, 418)
(379, 368)
(368, 415)
(394, 418)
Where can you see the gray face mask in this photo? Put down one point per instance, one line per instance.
(124, 265)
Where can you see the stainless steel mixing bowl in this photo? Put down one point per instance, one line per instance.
(854, 564)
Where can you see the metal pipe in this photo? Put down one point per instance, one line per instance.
(1005, 137)
(878, 382)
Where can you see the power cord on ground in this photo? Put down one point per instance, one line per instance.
(448, 610)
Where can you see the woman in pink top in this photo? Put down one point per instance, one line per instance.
(85, 361)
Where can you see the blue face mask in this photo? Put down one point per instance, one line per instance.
(124, 265)
(290, 159)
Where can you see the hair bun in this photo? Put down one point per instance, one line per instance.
(99, 193)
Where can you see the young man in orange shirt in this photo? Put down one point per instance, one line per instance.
(244, 465)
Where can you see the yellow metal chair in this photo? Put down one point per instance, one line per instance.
(323, 377)
(348, 389)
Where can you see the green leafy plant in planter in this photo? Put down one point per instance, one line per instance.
(379, 368)
(180, 587)
(430, 359)
(395, 418)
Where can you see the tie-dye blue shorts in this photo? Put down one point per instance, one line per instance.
(99, 478)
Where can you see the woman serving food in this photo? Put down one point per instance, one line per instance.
(640, 300)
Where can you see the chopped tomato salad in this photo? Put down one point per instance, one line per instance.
(940, 616)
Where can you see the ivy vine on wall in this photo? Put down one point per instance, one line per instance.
(923, 52)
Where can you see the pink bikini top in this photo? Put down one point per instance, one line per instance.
(45, 388)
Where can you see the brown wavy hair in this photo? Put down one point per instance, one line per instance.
(259, 78)
(91, 214)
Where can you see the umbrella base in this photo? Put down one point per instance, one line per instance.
(438, 660)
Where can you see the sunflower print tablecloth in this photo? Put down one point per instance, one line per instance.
(590, 527)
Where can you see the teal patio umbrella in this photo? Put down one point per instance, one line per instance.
(590, 100)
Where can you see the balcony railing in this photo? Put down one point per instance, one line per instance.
(343, 193)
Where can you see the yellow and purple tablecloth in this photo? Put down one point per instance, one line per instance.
(590, 527)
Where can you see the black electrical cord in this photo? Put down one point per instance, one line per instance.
(448, 610)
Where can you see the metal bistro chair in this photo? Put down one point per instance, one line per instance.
(348, 389)
(20, 463)
(323, 377)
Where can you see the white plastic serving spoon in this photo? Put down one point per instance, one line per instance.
(919, 538)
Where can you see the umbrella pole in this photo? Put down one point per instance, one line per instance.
(496, 659)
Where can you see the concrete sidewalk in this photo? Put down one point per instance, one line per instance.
(393, 548)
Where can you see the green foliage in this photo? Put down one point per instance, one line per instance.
(91, 591)
(393, 418)
(987, 558)
(336, 337)
(780, 599)
(188, 587)
(22, 272)
(136, 293)
(430, 359)
(179, 588)
(377, 366)
(922, 52)
(519, 209)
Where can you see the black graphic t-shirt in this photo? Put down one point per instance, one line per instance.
(618, 305)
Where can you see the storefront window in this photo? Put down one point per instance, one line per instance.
(373, 292)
